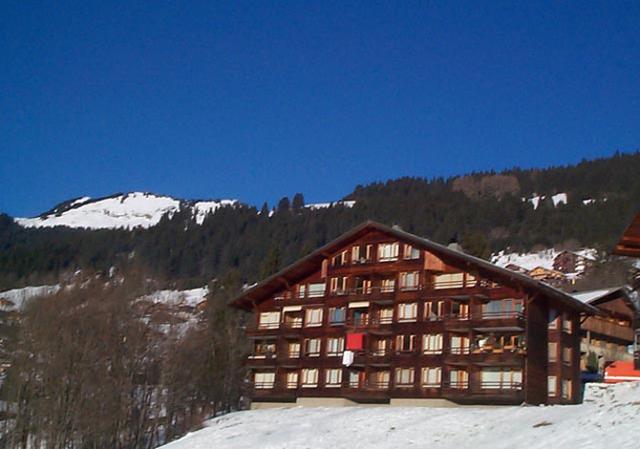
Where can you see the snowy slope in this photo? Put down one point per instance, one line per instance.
(609, 418)
(344, 203)
(528, 261)
(128, 210)
(189, 298)
(19, 296)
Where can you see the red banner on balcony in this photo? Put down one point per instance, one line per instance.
(355, 342)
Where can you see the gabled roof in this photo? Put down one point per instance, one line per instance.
(629, 244)
(308, 264)
(596, 297)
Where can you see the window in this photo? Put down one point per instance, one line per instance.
(453, 280)
(313, 317)
(552, 386)
(292, 379)
(411, 253)
(335, 346)
(312, 347)
(309, 378)
(380, 380)
(269, 320)
(431, 377)
(386, 315)
(368, 253)
(293, 349)
(404, 377)
(501, 378)
(293, 319)
(433, 310)
(566, 389)
(460, 310)
(566, 356)
(339, 285)
(362, 286)
(471, 281)
(264, 348)
(263, 379)
(405, 343)
(387, 252)
(502, 308)
(407, 311)
(387, 285)
(340, 259)
(567, 325)
(432, 344)
(355, 254)
(459, 344)
(409, 280)
(381, 347)
(553, 319)
(337, 316)
(302, 289)
(333, 377)
(317, 290)
(458, 378)
(552, 349)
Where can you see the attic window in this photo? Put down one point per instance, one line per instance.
(388, 252)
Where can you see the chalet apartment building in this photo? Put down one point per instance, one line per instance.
(382, 316)
(611, 333)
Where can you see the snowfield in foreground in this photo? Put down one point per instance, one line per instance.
(609, 418)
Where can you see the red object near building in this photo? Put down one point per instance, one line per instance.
(355, 342)
(620, 371)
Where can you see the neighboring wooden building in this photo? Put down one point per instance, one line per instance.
(609, 334)
(629, 245)
(571, 262)
(383, 316)
(551, 277)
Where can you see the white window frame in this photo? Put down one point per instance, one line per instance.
(312, 347)
(313, 317)
(335, 346)
(388, 252)
(317, 289)
(404, 377)
(410, 252)
(409, 280)
(552, 386)
(431, 377)
(309, 378)
(432, 343)
(407, 312)
(269, 320)
(264, 380)
(333, 377)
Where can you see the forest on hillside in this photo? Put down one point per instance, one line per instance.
(485, 212)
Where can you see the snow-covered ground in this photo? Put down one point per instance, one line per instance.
(344, 203)
(19, 296)
(129, 210)
(609, 418)
(558, 198)
(189, 298)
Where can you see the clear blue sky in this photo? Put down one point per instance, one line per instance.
(259, 100)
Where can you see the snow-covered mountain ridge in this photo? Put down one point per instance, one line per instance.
(127, 210)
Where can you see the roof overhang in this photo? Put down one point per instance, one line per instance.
(629, 244)
(305, 266)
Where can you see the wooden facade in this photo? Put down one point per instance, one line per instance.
(629, 245)
(416, 320)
